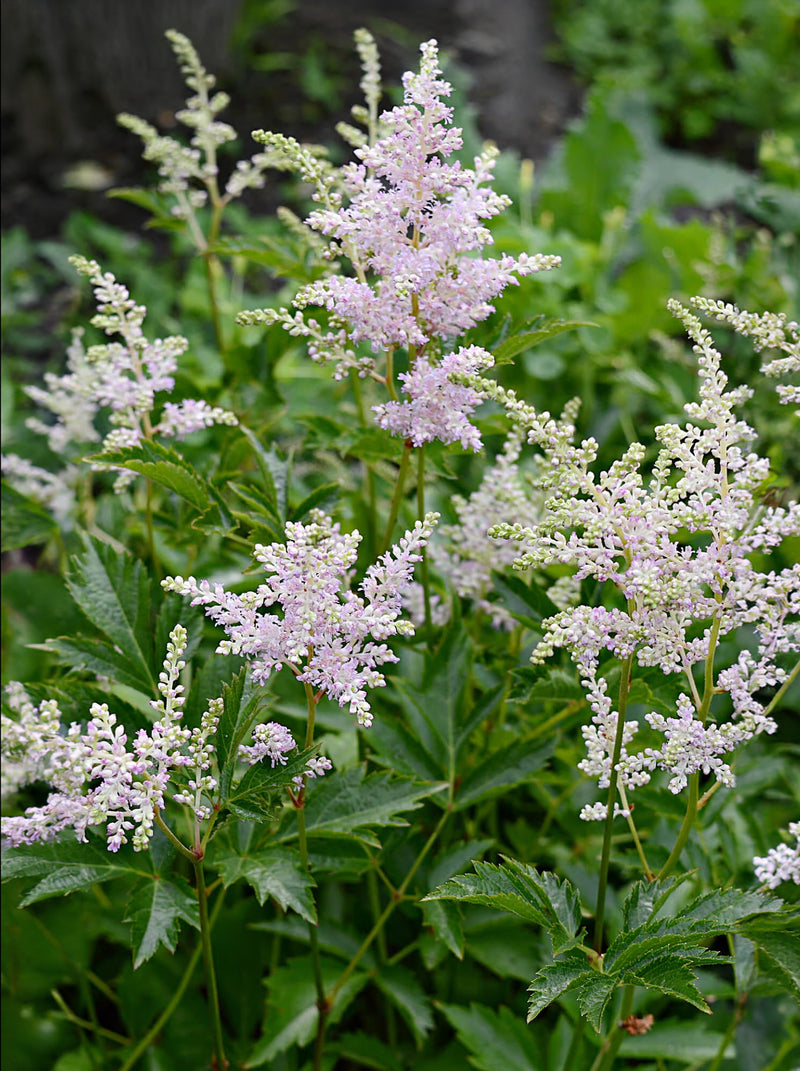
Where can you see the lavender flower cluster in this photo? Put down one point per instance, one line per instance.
(95, 777)
(122, 378)
(329, 636)
(411, 228)
(681, 547)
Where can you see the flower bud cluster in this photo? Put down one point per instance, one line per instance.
(96, 779)
(329, 636)
(782, 863)
(120, 379)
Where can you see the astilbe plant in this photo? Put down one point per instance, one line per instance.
(667, 579)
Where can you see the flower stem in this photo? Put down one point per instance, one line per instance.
(605, 859)
(604, 1060)
(141, 1046)
(426, 588)
(728, 1036)
(397, 497)
(208, 962)
(686, 828)
(397, 898)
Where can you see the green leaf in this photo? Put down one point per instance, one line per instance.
(254, 797)
(97, 656)
(682, 1040)
(516, 344)
(292, 1012)
(511, 765)
(274, 472)
(405, 992)
(163, 466)
(25, 522)
(496, 1040)
(520, 890)
(114, 592)
(778, 949)
(273, 871)
(365, 1051)
(553, 980)
(527, 602)
(348, 801)
(238, 711)
(445, 921)
(595, 993)
(69, 866)
(155, 910)
(327, 492)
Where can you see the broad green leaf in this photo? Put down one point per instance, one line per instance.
(239, 708)
(510, 766)
(155, 910)
(255, 796)
(350, 801)
(496, 1040)
(402, 988)
(437, 710)
(498, 945)
(328, 493)
(274, 472)
(681, 1040)
(25, 522)
(97, 656)
(292, 1012)
(445, 921)
(400, 750)
(69, 866)
(517, 344)
(163, 466)
(455, 858)
(273, 871)
(551, 981)
(555, 685)
(672, 976)
(594, 994)
(777, 941)
(332, 937)
(520, 890)
(362, 1050)
(114, 592)
(527, 602)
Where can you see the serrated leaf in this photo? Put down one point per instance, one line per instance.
(238, 710)
(254, 797)
(274, 472)
(97, 656)
(520, 890)
(595, 992)
(672, 976)
(555, 979)
(510, 766)
(496, 1040)
(528, 602)
(401, 751)
(401, 987)
(163, 466)
(778, 950)
(25, 522)
(349, 801)
(155, 911)
(517, 344)
(365, 1051)
(292, 1012)
(273, 871)
(69, 866)
(114, 592)
(445, 921)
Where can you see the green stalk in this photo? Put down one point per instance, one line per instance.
(141, 1046)
(605, 859)
(323, 1006)
(604, 1060)
(397, 497)
(694, 780)
(728, 1036)
(208, 963)
(426, 587)
(397, 898)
